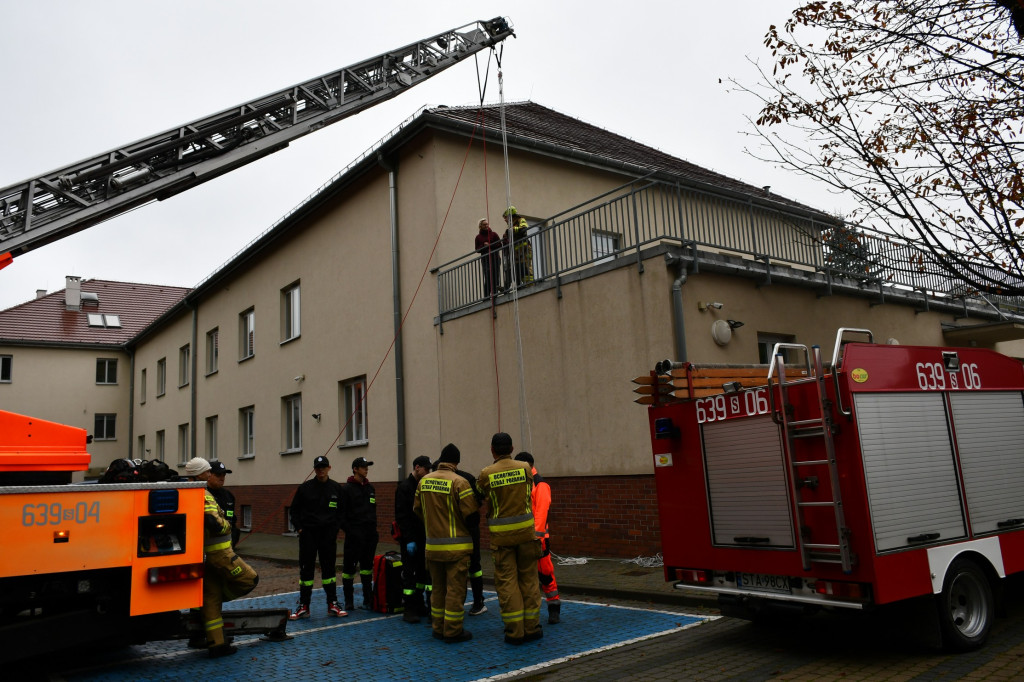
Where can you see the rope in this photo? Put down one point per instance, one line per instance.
(646, 562)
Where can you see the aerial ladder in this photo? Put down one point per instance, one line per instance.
(57, 204)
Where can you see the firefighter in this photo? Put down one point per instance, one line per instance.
(411, 541)
(225, 575)
(225, 498)
(507, 485)
(315, 515)
(541, 503)
(443, 500)
(522, 248)
(359, 521)
(476, 571)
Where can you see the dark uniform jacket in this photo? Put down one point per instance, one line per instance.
(409, 525)
(358, 505)
(317, 504)
(226, 499)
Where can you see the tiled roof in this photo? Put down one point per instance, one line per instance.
(541, 126)
(46, 320)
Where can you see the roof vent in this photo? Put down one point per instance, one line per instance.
(40, 293)
(90, 297)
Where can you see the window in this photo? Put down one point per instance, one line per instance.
(766, 344)
(290, 314)
(142, 387)
(246, 521)
(247, 334)
(183, 456)
(100, 320)
(184, 365)
(161, 377)
(288, 520)
(246, 431)
(106, 371)
(6, 365)
(103, 429)
(211, 438)
(354, 417)
(292, 416)
(143, 452)
(212, 350)
(605, 245)
(160, 440)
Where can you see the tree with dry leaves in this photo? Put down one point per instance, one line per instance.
(915, 109)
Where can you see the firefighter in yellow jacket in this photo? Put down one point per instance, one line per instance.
(507, 485)
(443, 500)
(225, 575)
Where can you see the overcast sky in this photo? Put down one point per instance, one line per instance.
(81, 77)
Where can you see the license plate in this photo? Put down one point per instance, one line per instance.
(764, 583)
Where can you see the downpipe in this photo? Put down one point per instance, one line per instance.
(677, 262)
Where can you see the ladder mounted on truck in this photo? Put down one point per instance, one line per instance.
(59, 203)
(815, 426)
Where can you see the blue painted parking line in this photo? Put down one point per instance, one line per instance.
(372, 644)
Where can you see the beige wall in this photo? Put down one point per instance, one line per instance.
(59, 385)
(162, 412)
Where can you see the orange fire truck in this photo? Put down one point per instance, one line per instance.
(892, 474)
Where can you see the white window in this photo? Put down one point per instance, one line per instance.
(211, 438)
(288, 520)
(292, 415)
(103, 428)
(161, 377)
(106, 371)
(354, 416)
(246, 431)
(183, 456)
(246, 522)
(212, 350)
(766, 344)
(290, 313)
(605, 245)
(6, 367)
(142, 387)
(247, 334)
(184, 365)
(160, 441)
(100, 320)
(143, 452)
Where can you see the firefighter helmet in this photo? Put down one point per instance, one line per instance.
(511, 210)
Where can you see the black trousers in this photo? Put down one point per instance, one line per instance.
(318, 542)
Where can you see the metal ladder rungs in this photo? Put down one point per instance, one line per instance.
(813, 462)
(834, 548)
(829, 503)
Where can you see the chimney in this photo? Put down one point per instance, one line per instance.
(40, 293)
(73, 293)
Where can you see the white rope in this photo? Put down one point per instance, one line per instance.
(646, 562)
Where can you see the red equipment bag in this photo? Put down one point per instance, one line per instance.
(387, 583)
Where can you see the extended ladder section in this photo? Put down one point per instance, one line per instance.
(62, 202)
(819, 427)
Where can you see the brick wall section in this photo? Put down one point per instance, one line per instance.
(607, 516)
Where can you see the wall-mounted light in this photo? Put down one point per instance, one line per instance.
(316, 416)
(704, 305)
(734, 324)
(301, 377)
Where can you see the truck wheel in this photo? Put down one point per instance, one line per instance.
(966, 606)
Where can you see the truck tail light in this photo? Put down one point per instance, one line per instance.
(841, 590)
(691, 575)
(173, 574)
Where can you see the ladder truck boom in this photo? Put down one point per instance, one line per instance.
(57, 204)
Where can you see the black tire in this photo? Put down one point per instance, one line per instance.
(966, 606)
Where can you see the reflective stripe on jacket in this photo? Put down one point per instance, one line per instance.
(507, 484)
(444, 500)
(216, 527)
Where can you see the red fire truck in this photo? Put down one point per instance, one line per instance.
(892, 473)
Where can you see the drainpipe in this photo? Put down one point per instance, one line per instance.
(391, 167)
(192, 382)
(131, 401)
(678, 328)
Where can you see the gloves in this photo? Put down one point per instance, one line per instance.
(411, 548)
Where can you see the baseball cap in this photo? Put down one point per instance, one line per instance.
(219, 469)
(196, 466)
(361, 462)
(321, 462)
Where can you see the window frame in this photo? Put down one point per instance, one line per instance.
(291, 424)
(142, 386)
(597, 238)
(161, 445)
(211, 427)
(247, 432)
(106, 418)
(291, 312)
(212, 351)
(161, 377)
(6, 369)
(183, 444)
(107, 364)
(354, 415)
(184, 365)
(247, 334)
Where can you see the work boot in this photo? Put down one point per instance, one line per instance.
(554, 612)
(410, 614)
(367, 581)
(222, 650)
(347, 591)
(463, 636)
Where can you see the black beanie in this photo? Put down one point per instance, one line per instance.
(450, 454)
(525, 457)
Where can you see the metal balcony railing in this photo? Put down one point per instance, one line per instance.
(619, 223)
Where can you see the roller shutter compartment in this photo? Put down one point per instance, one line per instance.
(990, 439)
(746, 479)
(908, 469)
